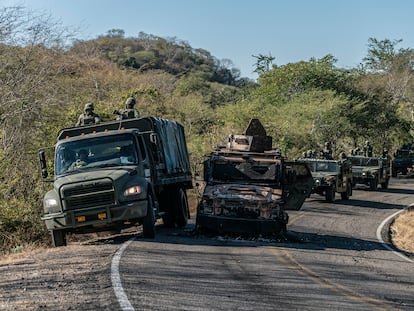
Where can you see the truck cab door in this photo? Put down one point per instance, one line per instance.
(297, 184)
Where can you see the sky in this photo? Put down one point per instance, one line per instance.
(235, 30)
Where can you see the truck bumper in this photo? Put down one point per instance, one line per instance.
(321, 189)
(362, 180)
(241, 225)
(104, 216)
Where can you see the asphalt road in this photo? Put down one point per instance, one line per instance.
(330, 259)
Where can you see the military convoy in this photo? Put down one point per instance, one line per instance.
(115, 175)
(330, 176)
(370, 171)
(403, 160)
(249, 186)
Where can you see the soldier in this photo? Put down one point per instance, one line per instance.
(88, 117)
(367, 149)
(327, 151)
(82, 160)
(129, 112)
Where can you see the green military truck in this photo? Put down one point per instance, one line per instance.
(115, 175)
(370, 171)
(330, 176)
(403, 160)
(249, 186)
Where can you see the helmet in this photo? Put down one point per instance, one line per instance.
(130, 102)
(89, 106)
(367, 142)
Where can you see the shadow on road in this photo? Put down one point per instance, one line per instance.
(291, 239)
(370, 204)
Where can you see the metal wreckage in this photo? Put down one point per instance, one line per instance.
(249, 186)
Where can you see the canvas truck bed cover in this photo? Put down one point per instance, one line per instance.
(170, 133)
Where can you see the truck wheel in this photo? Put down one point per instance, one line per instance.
(148, 224)
(58, 238)
(166, 206)
(330, 194)
(373, 184)
(384, 185)
(181, 208)
(345, 194)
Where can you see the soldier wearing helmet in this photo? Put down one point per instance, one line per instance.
(367, 149)
(88, 116)
(129, 112)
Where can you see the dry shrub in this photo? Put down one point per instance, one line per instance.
(403, 231)
(21, 227)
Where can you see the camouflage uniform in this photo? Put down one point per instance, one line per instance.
(327, 151)
(88, 117)
(129, 112)
(367, 149)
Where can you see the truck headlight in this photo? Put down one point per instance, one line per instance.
(49, 203)
(133, 191)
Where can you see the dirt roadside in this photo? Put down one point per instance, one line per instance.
(31, 281)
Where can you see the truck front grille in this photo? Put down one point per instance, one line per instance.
(88, 194)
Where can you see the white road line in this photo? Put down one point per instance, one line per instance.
(385, 245)
(116, 279)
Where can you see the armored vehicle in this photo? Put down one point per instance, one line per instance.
(249, 186)
(115, 175)
(370, 171)
(330, 176)
(403, 160)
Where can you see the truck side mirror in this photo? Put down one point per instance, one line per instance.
(207, 170)
(42, 160)
(153, 138)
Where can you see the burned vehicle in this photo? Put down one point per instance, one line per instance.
(370, 171)
(249, 186)
(330, 176)
(403, 160)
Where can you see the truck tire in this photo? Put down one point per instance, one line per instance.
(347, 193)
(167, 206)
(373, 184)
(384, 185)
(181, 208)
(330, 194)
(148, 224)
(58, 238)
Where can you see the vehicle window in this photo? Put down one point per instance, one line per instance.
(246, 171)
(95, 152)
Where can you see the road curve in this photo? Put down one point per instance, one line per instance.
(331, 259)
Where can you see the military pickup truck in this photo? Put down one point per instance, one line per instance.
(370, 171)
(330, 176)
(403, 160)
(115, 175)
(249, 186)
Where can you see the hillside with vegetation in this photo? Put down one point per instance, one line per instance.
(47, 75)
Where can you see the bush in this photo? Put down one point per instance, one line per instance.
(21, 226)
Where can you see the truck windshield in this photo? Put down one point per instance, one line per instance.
(364, 161)
(95, 152)
(246, 171)
(322, 166)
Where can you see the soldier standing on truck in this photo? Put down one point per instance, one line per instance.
(327, 151)
(129, 112)
(367, 149)
(88, 117)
